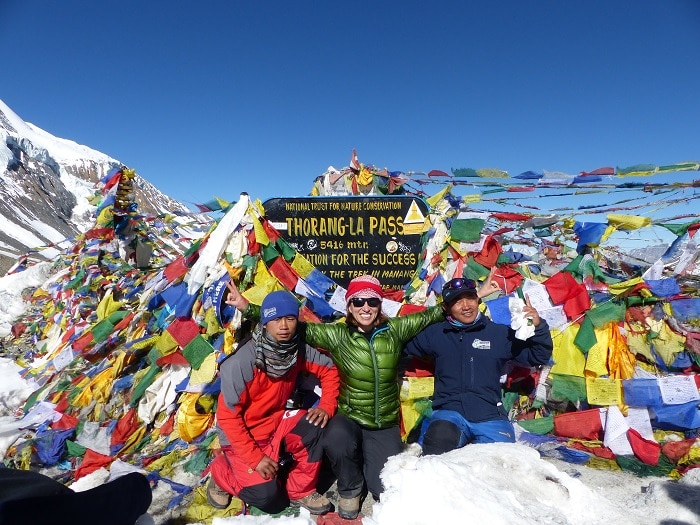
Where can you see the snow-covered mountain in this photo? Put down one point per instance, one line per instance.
(45, 186)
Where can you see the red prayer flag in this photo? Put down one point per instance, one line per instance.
(284, 273)
(126, 426)
(67, 421)
(183, 330)
(307, 316)
(507, 279)
(511, 216)
(646, 451)
(92, 461)
(272, 234)
(175, 269)
(489, 253)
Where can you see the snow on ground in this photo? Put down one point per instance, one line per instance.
(11, 304)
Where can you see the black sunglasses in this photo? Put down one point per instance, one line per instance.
(459, 284)
(359, 302)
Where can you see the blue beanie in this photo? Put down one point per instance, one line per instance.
(278, 304)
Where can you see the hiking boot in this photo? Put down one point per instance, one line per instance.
(349, 508)
(315, 503)
(216, 496)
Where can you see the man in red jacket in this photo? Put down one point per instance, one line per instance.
(260, 437)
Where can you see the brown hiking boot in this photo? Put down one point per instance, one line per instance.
(216, 496)
(349, 508)
(315, 503)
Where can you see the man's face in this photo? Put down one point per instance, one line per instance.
(282, 329)
(465, 309)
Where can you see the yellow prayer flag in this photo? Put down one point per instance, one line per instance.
(597, 358)
(624, 286)
(628, 222)
(409, 416)
(492, 173)
(40, 292)
(118, 363)
(84, 397)
(457, 247)
(417, 387)
(257, 293)
(229, 341)
(166, 343)
(568, 359)
(101, 385)
(471, 199)
(301, 265)
(260, 233)
(607, 233)
(603, 391)
(434, 199)
(206, 371)
(191, 421)
(223, 203)
(105, 217)
(107, 306)
(365, 177)
(133, 440)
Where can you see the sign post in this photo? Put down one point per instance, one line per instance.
(344, 237)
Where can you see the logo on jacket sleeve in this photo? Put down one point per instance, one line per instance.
(482, 345)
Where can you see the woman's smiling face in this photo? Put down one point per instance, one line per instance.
(364, 311)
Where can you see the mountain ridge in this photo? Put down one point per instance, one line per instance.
(47, 188)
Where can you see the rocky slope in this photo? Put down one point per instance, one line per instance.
(46, 186)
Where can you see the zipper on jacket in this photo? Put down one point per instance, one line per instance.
(471, 370)
(376, 373)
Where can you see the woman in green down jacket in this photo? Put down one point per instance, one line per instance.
(366, 349)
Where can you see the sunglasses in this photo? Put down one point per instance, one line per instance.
(359, 302)
(459, 284)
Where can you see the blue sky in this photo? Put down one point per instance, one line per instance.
(217, 97)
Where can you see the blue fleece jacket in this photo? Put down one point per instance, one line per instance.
(470, 360)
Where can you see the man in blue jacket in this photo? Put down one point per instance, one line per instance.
(470, 353)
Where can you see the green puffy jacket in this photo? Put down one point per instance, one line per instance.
(369, 389)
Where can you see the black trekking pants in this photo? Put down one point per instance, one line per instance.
(357, 454)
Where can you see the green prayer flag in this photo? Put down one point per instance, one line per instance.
(541, 425)
(269, 253)
(604, 313)
(678, 229)
(464, 172)
(197, 351)
(585, 338)
(143, 384)
(75, 281)
(117, 316)
(466, 230)
(632, 464)
(681, 166)
(474, 270)
(287, 251)
(102, 330)
(568, 388)
(74, 449)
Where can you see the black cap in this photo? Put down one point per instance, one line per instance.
(456, 288)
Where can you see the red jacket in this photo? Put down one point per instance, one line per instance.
(251, 404)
